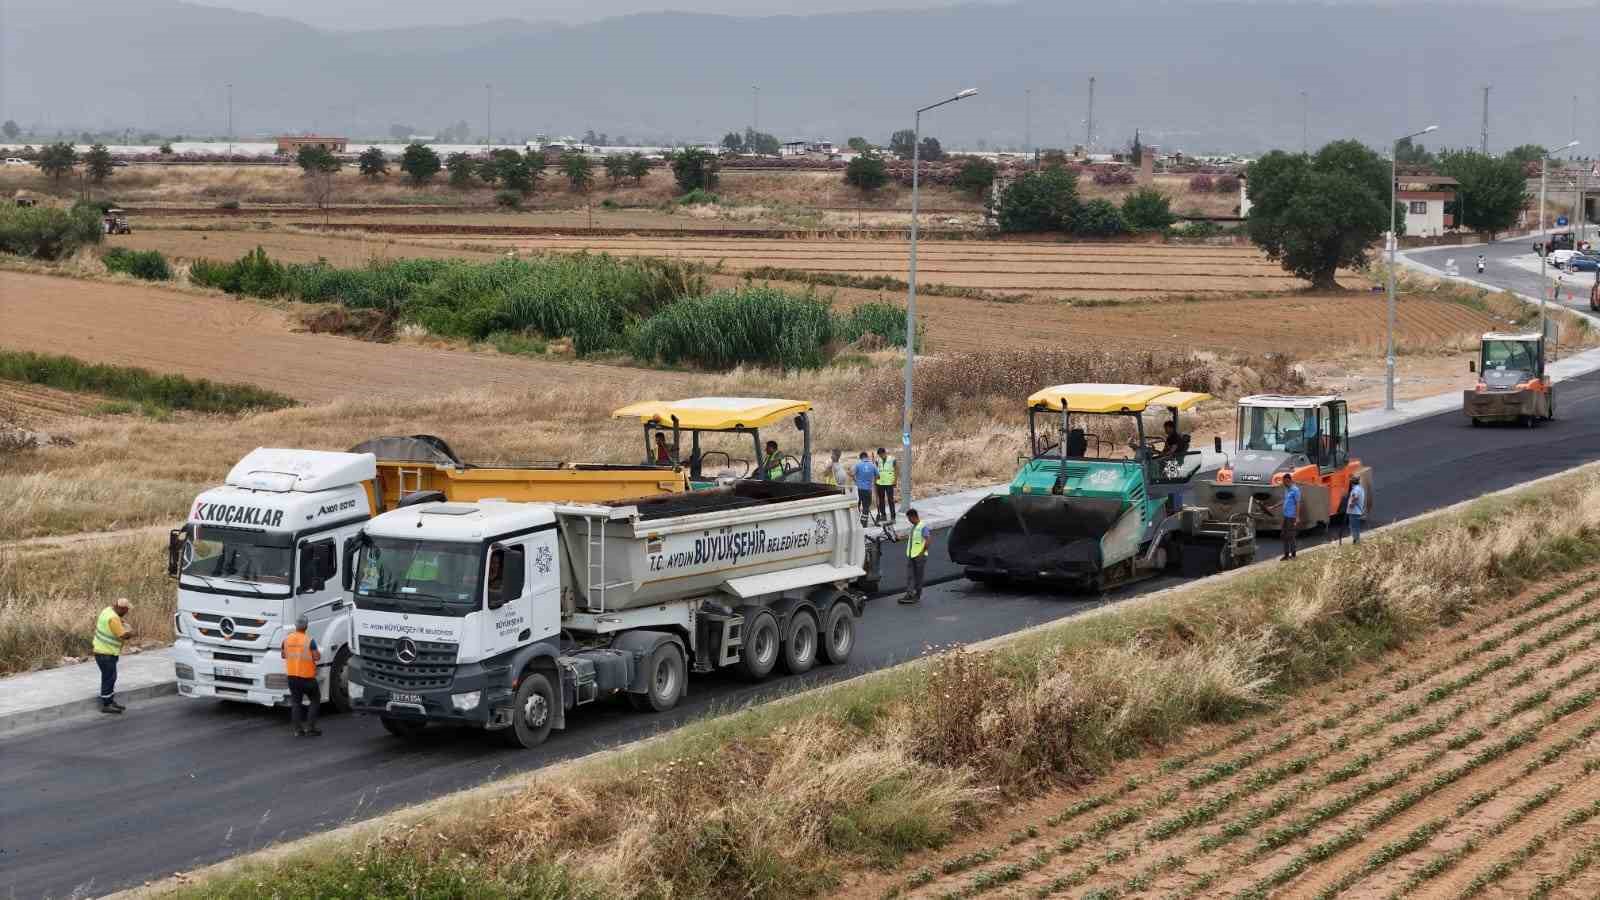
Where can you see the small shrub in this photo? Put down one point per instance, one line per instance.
(1227, 184)
(976, 175)
(517, 343)
(883, 320)
(149, 265)
(228, 204)
(1099, 218)
(749, 325)
(699, 197)
(867, 172)
(508, 199)
(1148, 210)
(1201, 184)
(47, 232)
(1107, 177)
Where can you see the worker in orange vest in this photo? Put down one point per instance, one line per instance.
(300, 658)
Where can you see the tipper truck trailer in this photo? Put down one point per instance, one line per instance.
(509, 616)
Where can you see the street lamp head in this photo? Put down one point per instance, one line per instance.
(1568, 146)
(1430, 128)
(972, 92)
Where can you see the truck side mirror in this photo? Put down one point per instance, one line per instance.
(1472, 365)
(511, 577)
(174, 551)
(1216, 443)
(349, 568)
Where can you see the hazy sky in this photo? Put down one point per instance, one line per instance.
(365, 14)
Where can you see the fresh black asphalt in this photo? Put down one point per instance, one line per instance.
(91, 805)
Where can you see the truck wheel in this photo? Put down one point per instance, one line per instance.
(800, 647)
(339, 682)
(839, 635)
(402, 728)
(663, 681)
(531, 711)
(760, 651)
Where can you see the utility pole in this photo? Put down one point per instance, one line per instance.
(488, 115)
(230, 121)
(755, 108)
(1027, 122)
(1088, 128)
(1483, 138)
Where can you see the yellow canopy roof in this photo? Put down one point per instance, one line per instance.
(714, 413)
(1114, 398)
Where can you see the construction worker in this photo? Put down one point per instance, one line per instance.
(300, 658)
(663, 455)
(839, 473)
(773, 464)
(916, 558)
(885, 485)
(1290, 508)
(865, 474)
(109, 635)
(1355, 510)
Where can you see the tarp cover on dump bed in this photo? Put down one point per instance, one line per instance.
(419, 448)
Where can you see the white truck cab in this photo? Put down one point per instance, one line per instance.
(258, 552)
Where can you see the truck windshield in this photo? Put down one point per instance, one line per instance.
(422, 576)
(1276, 429)
(1512, 356)
(215, 554)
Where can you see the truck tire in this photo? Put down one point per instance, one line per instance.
(759, 654)
(800, 646)
(339, 682)
(664, 681)
(839, 634)
(402, 728)
(532, 712)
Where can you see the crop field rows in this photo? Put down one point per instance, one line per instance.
(31, 404)
(1468, 769)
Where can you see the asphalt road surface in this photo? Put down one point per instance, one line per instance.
(94, 804)
(1499, 271)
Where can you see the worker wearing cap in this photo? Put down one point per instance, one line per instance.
(916, 558)
(300, 658)
(109, 635)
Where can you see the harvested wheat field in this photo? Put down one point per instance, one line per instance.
(32, 404)
(350, 249)
(1467, 765)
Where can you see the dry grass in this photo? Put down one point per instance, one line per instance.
(802, 794)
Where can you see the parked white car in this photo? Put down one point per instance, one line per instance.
(1560, 258)
(16, 161)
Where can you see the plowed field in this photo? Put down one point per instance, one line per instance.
(30, 404)
(1469, 766)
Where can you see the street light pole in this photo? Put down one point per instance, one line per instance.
(488, 116)
(1544, 251)
(230, 121)
(911, 293)
(1394, 242)
(1305, 122)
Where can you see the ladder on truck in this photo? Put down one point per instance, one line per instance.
(594, 542)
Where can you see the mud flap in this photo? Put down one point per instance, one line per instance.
(1034, 536)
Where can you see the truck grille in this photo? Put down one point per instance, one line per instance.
(229, 628)
(432, 669)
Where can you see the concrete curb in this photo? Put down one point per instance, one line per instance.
(33, 698)
(19, 720)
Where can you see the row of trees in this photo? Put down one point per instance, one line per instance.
(1046, 200)
(504, 168)
(61, 159)
(752, 141)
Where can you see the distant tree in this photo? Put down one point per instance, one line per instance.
(857, 144)
(401, 132)
(761, 143)
(900, 143)
(1408, 153)
(1317, 214)
(98, 163)
(508, 199)
(165, 149)
(57, 160)
(1054, 159)
(420, 163)
(931, 151)
(1492, 192)
(1527, 153)
(1227, 184)
(1042, 200)
(866, 172)
(1136, 150)
(314, 159)
(589, 137)
(1148, 209)
(1202, 184)
(733, 142)
(1099, 218)
(373, 164)
(534, 161)
(616, 168)
(694, 169)
(579, 170)
(10, 129)
(605, 140)
(976, 175)
(463, 169)
(638, 167)
(510, 170)
(320, 186)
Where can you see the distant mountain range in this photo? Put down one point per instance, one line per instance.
(1198, 76)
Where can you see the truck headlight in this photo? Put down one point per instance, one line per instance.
(277, 681)
(357, 691)
(467, 701)
(185, 671)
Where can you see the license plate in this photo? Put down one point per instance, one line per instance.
(405, 698)
(230, 671)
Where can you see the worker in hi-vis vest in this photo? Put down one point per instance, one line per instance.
(916, 558)
(773, 464)
(300, 658)
(109, 635)
(886, 483)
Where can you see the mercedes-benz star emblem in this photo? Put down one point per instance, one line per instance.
(406, 652)
(227, 627)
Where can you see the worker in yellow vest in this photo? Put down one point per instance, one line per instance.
(109, 635)
(300, 658)
(886, 483)
(916, 558)
(773, 464)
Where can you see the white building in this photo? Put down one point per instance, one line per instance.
(1424, 197)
